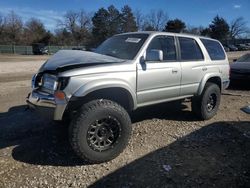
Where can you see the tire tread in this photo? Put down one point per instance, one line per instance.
(75, 125)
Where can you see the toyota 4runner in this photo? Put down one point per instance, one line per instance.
(98, 90)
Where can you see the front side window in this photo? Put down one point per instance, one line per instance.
(122, 46)
(190, 50)
(214, 49)
(166, 44)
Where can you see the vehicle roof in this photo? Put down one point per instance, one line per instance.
(165, 33)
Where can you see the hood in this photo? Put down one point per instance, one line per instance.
(244, 66)
(70, 59)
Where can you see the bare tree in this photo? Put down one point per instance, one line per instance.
(13, 27)
(194, 30)
(238, 27)
(139, 18)
(76, 25)
(84, 27)
(1, 29)
(63, 37)
(34, 31)
(1, 20)
(71, 18)
(1, 24)
(70, 24)
(157, 19)
(84, 20)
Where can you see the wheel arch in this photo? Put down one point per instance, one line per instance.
(117, 94)
(212, 78)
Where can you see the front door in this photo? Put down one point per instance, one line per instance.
(159, 80)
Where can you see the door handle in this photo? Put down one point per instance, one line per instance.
(204, 68)
(174, 71)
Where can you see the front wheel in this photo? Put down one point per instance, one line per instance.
(100, 131)
(207, 105)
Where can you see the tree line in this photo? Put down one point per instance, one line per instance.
(90, 29)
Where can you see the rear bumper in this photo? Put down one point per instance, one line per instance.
(225, 84)
(46, 104)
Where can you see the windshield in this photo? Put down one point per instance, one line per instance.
(244, 58)
(122, 46)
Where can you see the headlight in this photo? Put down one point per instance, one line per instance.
(33, 81)
(36, 81)
(49, 82)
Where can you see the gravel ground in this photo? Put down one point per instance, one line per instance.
(23, 70)
(19, 58)
(169, 147)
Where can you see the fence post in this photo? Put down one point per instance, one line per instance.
(13, 49)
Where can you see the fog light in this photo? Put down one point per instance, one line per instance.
(59, 95)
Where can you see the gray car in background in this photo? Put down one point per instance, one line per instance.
(98, 90)
(240, 69)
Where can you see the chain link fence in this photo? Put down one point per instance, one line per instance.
(28, 50)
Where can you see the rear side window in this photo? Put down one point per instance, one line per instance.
(190, 50)
(214, 49)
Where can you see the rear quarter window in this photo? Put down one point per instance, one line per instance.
(214, 49)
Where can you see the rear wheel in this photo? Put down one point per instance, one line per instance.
(100, 131)
(206, 105)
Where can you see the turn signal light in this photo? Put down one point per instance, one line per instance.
(59, 95)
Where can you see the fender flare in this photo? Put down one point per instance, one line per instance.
(105, 84)
(205, 79)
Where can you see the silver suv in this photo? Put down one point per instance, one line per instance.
(97, 90)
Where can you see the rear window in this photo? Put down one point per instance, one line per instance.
(214, 49)
(190, 50)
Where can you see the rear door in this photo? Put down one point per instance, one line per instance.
(192, 64)
(159, 80)
(218, 60)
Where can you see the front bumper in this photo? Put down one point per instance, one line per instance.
(46, 104)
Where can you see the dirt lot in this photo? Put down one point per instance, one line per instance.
(169, 146)
(19, 67)
(18, 58)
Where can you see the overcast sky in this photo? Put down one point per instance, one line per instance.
(193, 12)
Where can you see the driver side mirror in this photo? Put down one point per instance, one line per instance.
(154, 55)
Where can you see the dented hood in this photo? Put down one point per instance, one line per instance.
(69, 59)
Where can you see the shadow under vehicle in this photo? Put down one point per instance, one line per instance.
(216, 155)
